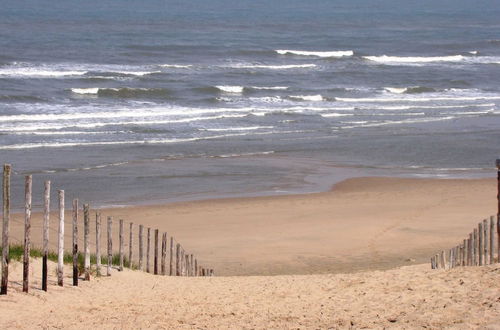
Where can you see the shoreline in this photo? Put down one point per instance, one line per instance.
(368, 223)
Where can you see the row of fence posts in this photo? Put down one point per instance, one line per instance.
(479, 248)
(476, 250)
(185, 264)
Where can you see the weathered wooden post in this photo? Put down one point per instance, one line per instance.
(130, 245)
(171, 272)
(183, 263)
(186, 273)
(464, 253)
(195, 267)
(498, 212)
(475, 248)
(177, 259)
(110, 245)
(98, 242)
(156, 253)
(436, 261)
(86, 243)
(120, 246)
(5, 228)
(485, 242)
(27, 231)
(46, 219)
(74, 243)
(443, 259)
(148, 248)
(191, 265)
(60, 241)
(481, 243)
(163, 253)
(492, 239)
(141, 229)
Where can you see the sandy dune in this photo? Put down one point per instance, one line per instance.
(404, 298)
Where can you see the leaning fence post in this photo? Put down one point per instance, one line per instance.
(75, 242)
(130, 245)
(156, 253)
(27, 231)
(177, 259)
(120, 246)
(163, 253)
(5, 228)
(110, 245)
(86, 243)
(60, 241)
(46, 217)
(148, 248)
(98, 242)
(141, 229)
(171, 272)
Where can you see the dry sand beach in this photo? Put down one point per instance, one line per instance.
(353, 243)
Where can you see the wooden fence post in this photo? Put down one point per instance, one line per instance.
(130, 244)
(492, 239)
(74, 243)
(486, 242)
(86, 243)
(498, 212)
(443, 260)
(5, 228)
(171, 272)
(60, 241)
(110, 245)
(46, 218)
(120, 246)
(470, 262)
(475, 248)
(141, 229)
(148, 248)
(191, 265)
(481, 243)
(464, 253)
(195, 267)
(98, 242)
(156, 253)
(163, 253)
(183, 263)
(177, 259)
(28, 184)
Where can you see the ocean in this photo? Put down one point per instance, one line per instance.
(134, 102)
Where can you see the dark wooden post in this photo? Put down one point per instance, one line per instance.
(5, 228)
(171, 272)
(195, 267)
(130, 244)
(156, 253)
(492, 239)
(121, 244)
(46, 219)
(148, 248)
(75, 242)
(177, 259)
(110, 245)
(27, 231)
(475, 248)
(141, 229)
(86, 243)
(481, 243)
(98, 242)
(60, 241)
(163, 253)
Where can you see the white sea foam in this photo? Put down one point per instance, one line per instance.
(338, 53)
(419, 99)
(38, 72)
(335, 114)
(230, 89)
(414, 59)
(94, 90)
(269, 87)
(314, 98)
(246, 128)
(473, 52)
(176, 66)
(396, 90)
(271, 67)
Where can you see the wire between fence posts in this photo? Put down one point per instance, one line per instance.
(46, 224)
(60, 241)
(28, 185)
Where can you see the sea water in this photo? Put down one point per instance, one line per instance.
(124, 102)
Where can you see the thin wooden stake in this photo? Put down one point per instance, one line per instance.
(177, 259)
(148, 248)
(191, 265)
(470, 259)
(46, 220)
(186, 273)
(492, 239)
(443, 260)
(86, 242)
(195, 267)
(486, 242)
(110, 245)
(141, 229)
(475, 248)
(464, 253)
(121, 243)
(171, 272)
(481, 244)
(130, 245)
(98, 242)
(27, 231)
(60, 241)
(163, 253)
(74, 242)
(5, 228)
(156, 253)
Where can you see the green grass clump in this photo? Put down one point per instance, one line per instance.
(16, 252)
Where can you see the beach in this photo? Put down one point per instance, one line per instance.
(360, 224)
